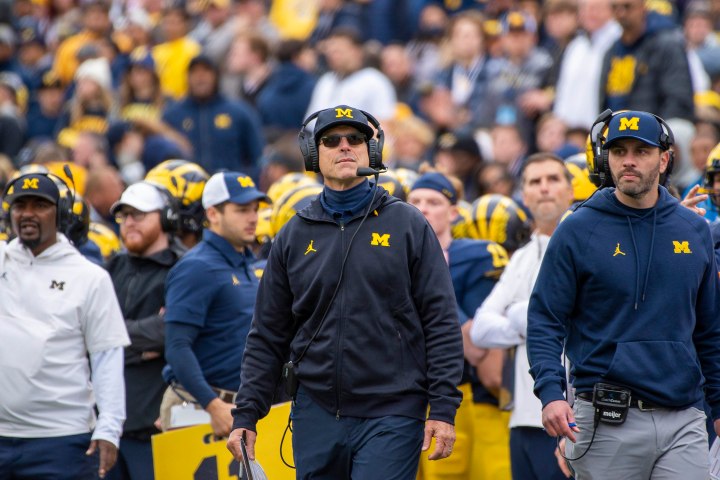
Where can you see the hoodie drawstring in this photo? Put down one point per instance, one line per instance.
(637, 262)
(637, 259)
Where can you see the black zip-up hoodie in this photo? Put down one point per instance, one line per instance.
(391, 342)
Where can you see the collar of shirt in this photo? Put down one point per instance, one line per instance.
(234, 258)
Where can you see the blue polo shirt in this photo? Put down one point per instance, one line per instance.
(209, 301)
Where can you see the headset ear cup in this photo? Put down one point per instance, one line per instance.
(314, 157)
(605, 174)
(373, 154)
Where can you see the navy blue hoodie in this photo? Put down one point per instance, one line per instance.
(635, 295)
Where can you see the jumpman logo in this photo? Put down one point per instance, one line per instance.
(618, 251)
(310, 248)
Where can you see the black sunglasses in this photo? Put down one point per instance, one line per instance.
(332, 141)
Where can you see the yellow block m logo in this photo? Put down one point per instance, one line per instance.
(380, 240)
(343, 113)
(245, 182)
(681, 247)
(30, 183)
(633, 123)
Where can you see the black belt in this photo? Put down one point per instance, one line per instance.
(634, 402)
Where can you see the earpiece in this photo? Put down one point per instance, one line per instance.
(309, 148)
(170, 213)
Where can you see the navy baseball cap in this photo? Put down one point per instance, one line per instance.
(438, 182)
(641, 126)
(342, 115)
(234, 187)
(36, 185)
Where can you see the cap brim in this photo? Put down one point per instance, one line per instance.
(45, 196)
(137, 205)
(247, 197)
(607, 144)
(362, 127)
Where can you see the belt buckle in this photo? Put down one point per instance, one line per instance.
(643, 408)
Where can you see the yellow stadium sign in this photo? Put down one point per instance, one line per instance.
(193, 453)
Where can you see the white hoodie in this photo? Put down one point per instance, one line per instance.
(55, 309)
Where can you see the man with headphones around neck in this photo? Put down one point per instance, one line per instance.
(148, 219)
(629, 288)
(209, 300)
(63, 339)
(356, 309)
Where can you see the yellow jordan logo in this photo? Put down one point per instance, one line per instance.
(618, 251)
(310, 248)
(235, 280)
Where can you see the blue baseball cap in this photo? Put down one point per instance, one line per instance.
(438, 182)
(641, 126)
(234, 187)
(35, 185)
(342, 115)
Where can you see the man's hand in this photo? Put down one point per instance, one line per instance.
(108, 455)
(562, 463)
(557, 417)
(233, 443)
(221, 419)
(444, 434)
(692, 199)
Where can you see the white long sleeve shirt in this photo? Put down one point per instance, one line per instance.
(55, 310)
(501, 322)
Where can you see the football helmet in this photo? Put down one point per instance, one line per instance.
(104, 238)
(582, 186)
(498, 218)
(712, 167)
(290, 203)
(185, 181)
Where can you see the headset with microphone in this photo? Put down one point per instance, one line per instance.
(598, 166)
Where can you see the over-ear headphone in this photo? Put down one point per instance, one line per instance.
(66, 199)
(170, 213)
(598, 162)
(309, 149)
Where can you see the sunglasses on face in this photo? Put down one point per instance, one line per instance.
(332, 141)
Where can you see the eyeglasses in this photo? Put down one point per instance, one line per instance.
(136, 215)
(332, 141)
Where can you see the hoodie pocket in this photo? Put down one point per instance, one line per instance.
(664, 372)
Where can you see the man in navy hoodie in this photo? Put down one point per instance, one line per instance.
(629, 287)
(357, 294)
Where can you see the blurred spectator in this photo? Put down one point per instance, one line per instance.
(283, 101)
(551, 132)
(140, 92)
(705, 139)
(466, 75)
(515, 94)
(253, 17)
(424, 47)
(396, 64)
(64, 19)
(138, 27)
(458, 154)
(32, 55)
(91, 107)
(44, 113)
(104, 187)
(225, 134)
(216, 29)
(96, 24)
(560, 25)
(249, 60)
(8, 44)
(508, 148)
(699, 35)
(13, 105)
(334, 14)
(172, 57)
(349, 82)
(576, 97)
(494, 177)
(647, 69)
(410, 141)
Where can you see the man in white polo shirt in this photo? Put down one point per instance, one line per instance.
(59, 320)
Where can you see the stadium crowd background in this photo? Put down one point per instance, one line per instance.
(115, 89)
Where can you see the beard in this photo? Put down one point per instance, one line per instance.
(138, 243)
(640, 188)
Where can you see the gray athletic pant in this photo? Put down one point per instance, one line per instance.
(658, 444)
